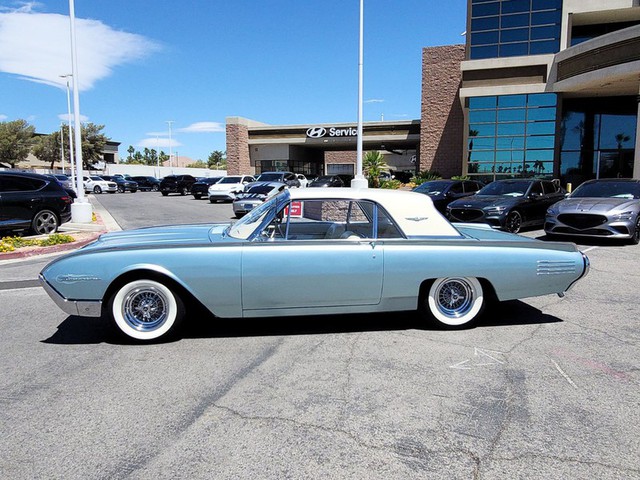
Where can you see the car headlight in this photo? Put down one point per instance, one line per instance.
(552, 212)
(495, 210)
(623, 216)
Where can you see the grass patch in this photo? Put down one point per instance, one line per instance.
(10, 244)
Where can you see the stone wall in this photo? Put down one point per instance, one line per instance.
(238, 159)
(442, 117)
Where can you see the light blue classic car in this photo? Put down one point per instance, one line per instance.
(371, 251)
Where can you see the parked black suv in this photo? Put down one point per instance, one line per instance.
(124, 184)
(289, 178)
(201, 187)
(151, 184)
(176, 184)
(33, 202)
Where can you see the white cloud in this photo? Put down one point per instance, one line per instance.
(374, 100)
(157, 143)
(203, 127)
(65, 117)
(3, 118)
(43, 54)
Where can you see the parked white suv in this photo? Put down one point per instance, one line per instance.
(225, 190)
(96, 184)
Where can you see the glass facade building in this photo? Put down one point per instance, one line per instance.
(511, 135)
(508, 28)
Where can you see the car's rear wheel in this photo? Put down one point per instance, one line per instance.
(183, 191)
(155, 188)
(146, 310)
(513, 223)
(44, 222)
(454, 301)
(164, 194)
(97, 189)
(635, 236)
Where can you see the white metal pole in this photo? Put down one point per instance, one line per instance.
(62, 148)
(72, 167)
(170, 142)
(80, 209)
(359, 181)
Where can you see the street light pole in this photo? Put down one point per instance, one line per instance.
(73, 175)
(81, 210)
(359, 181)
(170, 142)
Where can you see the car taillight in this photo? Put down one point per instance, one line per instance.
(67, 199)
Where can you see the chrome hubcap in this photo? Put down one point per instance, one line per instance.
(145, 309)
(455, 298)
(46, 223)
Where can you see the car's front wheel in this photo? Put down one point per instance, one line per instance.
(164, 194)
(97, 189)
(155, 188)
(183, 191)
(454, 301)
(44, 222)
(513, 222)
(146, 310)
(635, 236)
(197, 196)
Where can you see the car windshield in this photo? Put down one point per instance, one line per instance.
(244, 227)
(231, 180)
(270, 177)
(432, 188)
(259, 189)
(608, 189)
(323, 179)
(507, 189)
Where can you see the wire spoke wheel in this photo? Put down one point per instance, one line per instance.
(455, 301)
(146, 309)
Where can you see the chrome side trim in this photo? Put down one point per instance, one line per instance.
(82, 308)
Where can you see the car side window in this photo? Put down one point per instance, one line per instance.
(456, 188)
(471, 187)
(536, 188)
(549, 187)
(18, 184)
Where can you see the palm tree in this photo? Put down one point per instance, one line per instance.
(373, 165)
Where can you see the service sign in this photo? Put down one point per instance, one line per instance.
(321, 132)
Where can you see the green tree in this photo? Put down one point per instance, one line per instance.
(373, 165)
(197, 164)
(163, 157)
(16, 139)
(47, 148)
(131, 151)
(93, 142)
(217, 160)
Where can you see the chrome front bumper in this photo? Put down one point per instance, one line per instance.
(82, 308)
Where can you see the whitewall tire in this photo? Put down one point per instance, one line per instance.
(455, 301)
(146, 310)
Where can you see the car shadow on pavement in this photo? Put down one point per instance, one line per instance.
(76, 330)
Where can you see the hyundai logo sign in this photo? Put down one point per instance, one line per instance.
(319, 132)
(316, 132)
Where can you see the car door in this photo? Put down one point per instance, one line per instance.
(19, 199)
(287, 272)
(534, 204)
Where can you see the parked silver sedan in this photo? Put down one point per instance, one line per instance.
(605, 208)
(372, 251)
(254, 195)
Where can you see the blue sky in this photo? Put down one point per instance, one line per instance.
(289, 62)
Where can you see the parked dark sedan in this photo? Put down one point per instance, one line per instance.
(32, 202)
(176, 184)
(65, 184)
(124, 184)
(508, 204)
(201, 187)
(327, 181)
(146, 183)
(605, 208)
(443, 192)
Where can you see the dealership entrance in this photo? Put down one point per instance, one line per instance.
(327, 149)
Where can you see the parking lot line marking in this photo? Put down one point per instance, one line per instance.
(566, 377)
(589, 249)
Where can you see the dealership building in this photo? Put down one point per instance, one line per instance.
(545, 88)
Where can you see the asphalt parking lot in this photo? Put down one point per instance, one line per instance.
(544, 388)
